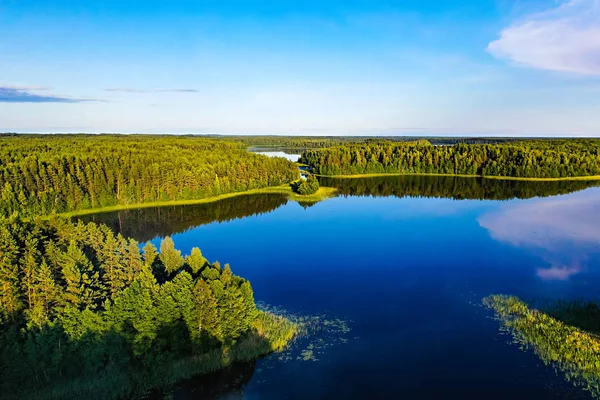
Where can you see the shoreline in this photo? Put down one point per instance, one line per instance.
(322, 194)
(508, 178)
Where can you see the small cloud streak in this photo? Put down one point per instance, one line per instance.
(566, 39)
(557, 273)
(24, 87)
(22, 94)
(129, 90)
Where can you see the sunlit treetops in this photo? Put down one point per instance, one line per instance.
(81, 304)
(526, 159)
(41, 175)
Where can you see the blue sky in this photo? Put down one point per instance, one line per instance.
(360, 67)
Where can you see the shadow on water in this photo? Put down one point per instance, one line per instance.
(145, 224)
(227, 383)
(453, 187)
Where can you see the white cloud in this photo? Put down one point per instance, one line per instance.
(549, 223)
(566, 38)
(564, 230)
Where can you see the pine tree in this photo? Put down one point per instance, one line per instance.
(9, 274)
(150, 253)
(83, 288)
(204, 322)
(196, 260)
(170, 257)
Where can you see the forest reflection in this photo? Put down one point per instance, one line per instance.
(148, 223)
(453, 187)
(145, 224)
(227, 384)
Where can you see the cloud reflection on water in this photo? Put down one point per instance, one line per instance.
(564, 229)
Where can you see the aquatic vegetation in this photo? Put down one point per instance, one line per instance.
(314, 334)
(572, 351)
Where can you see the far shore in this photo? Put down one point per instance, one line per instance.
(511, 178)
(322, 194)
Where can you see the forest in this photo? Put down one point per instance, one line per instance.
(47, 174)
(85, 314)
(452, 187)
(523, 159)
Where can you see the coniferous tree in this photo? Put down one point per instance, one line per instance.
(70, 327)
(82, 284)
(169, 256)
(150, 253)
(196, 260)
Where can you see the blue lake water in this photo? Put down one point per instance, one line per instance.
(278, 153)
(406, 272)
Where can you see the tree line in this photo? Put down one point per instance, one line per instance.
(85, 314)
(526, 159)
(45, 174)
(313, 142)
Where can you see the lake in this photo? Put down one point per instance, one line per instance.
(287, 154)
(395, 269)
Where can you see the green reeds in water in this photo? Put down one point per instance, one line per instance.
(571, 350)
(269, 333)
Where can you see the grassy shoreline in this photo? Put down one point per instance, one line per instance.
(508, 178)
(572, 351)
(322, 194)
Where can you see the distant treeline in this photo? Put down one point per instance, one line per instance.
(453, 187)
(44, 174)
(144, 224)
(313, 142)
(527, 159)
(85, 314)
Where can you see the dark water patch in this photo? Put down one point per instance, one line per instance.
(147, 223)
(453, 187)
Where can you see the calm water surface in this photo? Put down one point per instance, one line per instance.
(278, 153)
(405, 262)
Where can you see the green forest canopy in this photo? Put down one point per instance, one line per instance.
(526, 159)
(311, 142)
(84, 314)
(47, 174)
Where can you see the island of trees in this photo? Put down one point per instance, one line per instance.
(85, 314)
(46, 174)
(307, 187)
(521, 159)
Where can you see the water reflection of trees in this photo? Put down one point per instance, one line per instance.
(453, 187)
(147, 223)
(227, 383)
